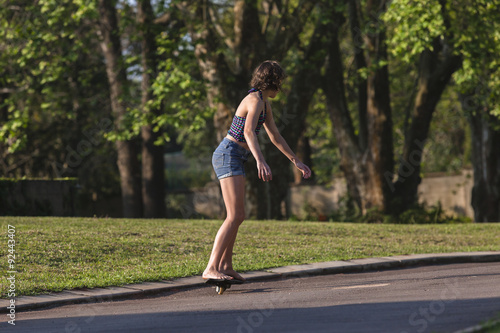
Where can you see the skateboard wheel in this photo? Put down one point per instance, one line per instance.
(220, 290)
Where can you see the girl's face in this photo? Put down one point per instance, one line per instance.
(273, 93)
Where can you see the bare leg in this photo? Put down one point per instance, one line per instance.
(233, 192)
(226, 263)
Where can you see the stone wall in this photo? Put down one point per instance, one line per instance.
(452, 191)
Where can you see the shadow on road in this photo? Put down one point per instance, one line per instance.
(422, 316)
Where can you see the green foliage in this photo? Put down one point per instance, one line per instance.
(422, 214)
(52, 67)
(419, 214)
(471, 30)
(325, 153)
(181, 92)
(480, 46)
(347, 210)
(41, 42)
(365, 72)
(415, 25)
(183, 97)
(448, 147)
(58, 98)
(178, 92)
(490, 326)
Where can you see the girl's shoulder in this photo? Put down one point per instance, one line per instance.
(250, 102)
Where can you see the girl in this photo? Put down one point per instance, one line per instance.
(234, 150)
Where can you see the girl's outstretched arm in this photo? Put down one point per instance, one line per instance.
(281, 144)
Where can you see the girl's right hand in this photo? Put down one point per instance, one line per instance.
(264, 171)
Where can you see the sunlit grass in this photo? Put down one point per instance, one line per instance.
(53, 254)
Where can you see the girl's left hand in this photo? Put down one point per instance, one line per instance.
(306, 172)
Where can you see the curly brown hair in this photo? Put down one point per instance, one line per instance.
(268, 75)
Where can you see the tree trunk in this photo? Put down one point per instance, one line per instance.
(292, 120)
(342, 126)
(434, 76)
(128, 163)
(369, 172)
(485, 159)
(153, 182)
(363, 167)
(379, 118)
(359, 58)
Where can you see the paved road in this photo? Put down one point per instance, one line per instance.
(442, 298)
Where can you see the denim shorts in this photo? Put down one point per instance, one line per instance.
(228, 159)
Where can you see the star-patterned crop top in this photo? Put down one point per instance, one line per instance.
(238, 125)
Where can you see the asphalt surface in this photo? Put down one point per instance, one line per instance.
(442, 298)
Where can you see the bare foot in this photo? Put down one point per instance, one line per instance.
(233, 273)
(213, 274)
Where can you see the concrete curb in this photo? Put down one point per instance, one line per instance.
(75, 296)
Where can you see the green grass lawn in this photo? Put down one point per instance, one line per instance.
(53, 254)
(493, 329)
(491, 326)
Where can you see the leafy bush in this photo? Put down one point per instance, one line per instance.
(421, 214)
(418, 214)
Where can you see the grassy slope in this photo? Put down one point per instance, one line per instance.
(64, 253)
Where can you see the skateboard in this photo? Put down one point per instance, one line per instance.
(221, 285)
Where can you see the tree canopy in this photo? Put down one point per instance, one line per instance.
(102, 89)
